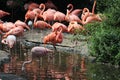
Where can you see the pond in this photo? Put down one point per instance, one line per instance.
(98, 71)
(63, 66)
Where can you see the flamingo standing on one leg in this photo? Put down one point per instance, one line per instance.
(36, 51)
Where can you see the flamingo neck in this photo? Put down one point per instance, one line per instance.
(93, 9)
(71, 7)
(26, 62)
(42, 6)
(1, 26)
(85, 10)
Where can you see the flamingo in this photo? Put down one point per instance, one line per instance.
(71, 17)
(59, 16)
(74, 12)
(41, 24)
(7, 26)
(36, 51)
(17, 31)
(3, 13)
(31, 14)
(47, 15)
(31, 6)
(73, 25)
(54, 37)
(87, 13)
(57, 25)
(10, 40)
(49, 4)
(21, 23)
(88, 17)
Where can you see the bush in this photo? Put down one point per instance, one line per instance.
(105, 45)
(105, 5)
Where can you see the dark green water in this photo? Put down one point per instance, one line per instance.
(97, 71)
(94, 71)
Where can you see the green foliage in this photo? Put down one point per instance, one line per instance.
(104, 5)
(105, 45)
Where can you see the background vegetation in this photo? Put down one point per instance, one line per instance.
(104, 42)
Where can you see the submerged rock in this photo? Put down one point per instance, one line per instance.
(5, 76)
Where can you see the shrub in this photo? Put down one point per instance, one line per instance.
(105, 45)
(105, 5)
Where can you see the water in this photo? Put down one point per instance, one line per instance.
(75, 66)
(97, 71)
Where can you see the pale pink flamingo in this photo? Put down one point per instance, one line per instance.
(36, 51)
(75, 11)
(10, 41)
(71, 17)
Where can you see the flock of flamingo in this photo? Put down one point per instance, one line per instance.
(50, 18)
(46, 16)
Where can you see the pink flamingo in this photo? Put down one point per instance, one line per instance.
(47, 15)
(73, 25)
(21, 23)
(71, 17)
(76, 11)
(31, 14)
(88, 17)
(3, 13)
(41, 24)
(7, 26)
(54, 37)
(17, 31)
(57, 25)
(31, 6)
(59, 16)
